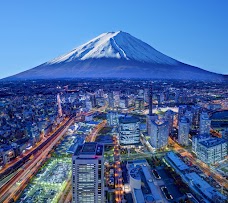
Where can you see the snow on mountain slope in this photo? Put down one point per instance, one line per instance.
(119, 45)
(116, 55)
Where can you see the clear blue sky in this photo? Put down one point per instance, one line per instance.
(33, 32)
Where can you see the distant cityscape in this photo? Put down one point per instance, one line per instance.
(113, 141)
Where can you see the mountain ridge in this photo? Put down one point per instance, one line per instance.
(116, 54)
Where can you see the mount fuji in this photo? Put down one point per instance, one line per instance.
(116, 55)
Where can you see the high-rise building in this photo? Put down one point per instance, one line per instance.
(198, 138)
(92, 98)
(205, 123)
(60, 113)
(181, 111)
(88, 104)
(169, 114)
(146, 95)
(159, 132)
(195, 117)
(150, 116)
(129, 132)
(88, 173)
(212, 150)
(183, 131)
(160, 98)
(150, 94)
(123, 102)
(139, 104)
(116, 98)
(110, 100)
(188, 115)
(140, 93)
(112, 118)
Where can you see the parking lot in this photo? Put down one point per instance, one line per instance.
(169, 183)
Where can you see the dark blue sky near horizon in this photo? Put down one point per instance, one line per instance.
(33, 32)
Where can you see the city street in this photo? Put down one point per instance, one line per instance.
(13, 188)
(222, 181)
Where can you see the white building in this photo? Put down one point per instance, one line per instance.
(212, 150)
(198, 138)
(159, 132)
(183, 131)
(205, 123)
(112, 118)
(129, 132)
(88, 173)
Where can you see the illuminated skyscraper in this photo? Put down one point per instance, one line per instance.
(205, 123)
(92, 98)
(181, 111)
(188, 115)
(116, 98)
(139, 104)
(112, 118)
(110, 100)
(159, 132)
(129, 132)
(195, 117)
(169, 114)
(183, 131)
(60, 113)
(150, 117)
(146, 96)
(150, 101)
(88, 173)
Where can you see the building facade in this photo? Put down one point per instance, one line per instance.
(212, 150)
(112, 118)
(159, 132)
(88, 173)
(205, 123)
(183, 131)
(169, 115)
(129, 132)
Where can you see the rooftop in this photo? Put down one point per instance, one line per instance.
(139, 170)
(202, 136)
(204, 187)
(128, 119)
(177, 161)
(89, 148)
(213, 142)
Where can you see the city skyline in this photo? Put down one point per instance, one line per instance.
(114, 102)
(198, 38)
(115, 141)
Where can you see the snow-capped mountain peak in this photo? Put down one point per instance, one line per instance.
(118, 45)
(116, 55)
